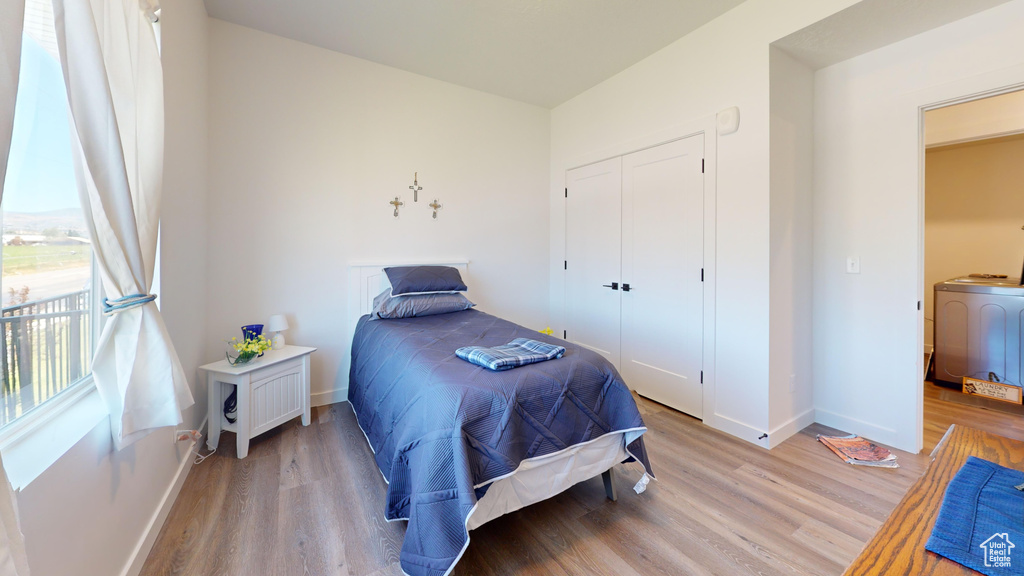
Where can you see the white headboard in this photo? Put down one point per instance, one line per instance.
(366, 280)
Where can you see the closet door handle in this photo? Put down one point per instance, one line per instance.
(625, 287)
(613, 286)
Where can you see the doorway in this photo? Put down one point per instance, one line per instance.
(973, 252)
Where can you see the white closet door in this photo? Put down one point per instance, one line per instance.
(662, 257)
(593, 249)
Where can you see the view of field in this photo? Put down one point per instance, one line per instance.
(37, 272)
(27, 259)
(45, 254)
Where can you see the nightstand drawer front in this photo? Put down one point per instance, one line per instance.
(277, 396)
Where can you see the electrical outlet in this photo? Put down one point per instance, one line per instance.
(187, 436)
(853, 265)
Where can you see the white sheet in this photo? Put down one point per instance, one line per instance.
(540, 478)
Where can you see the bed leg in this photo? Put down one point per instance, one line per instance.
(609, 485)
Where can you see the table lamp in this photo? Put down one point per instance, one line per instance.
(277, 324)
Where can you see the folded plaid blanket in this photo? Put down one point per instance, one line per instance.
(519, 352)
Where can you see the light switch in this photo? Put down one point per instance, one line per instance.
(853, 265)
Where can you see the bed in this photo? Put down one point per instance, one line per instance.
(460, 445)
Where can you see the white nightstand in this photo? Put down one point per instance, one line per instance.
(271, 391)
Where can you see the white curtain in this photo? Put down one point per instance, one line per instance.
(114, 80)
(12, 18)
(13, 561)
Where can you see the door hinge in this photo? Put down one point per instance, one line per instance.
(701, 165)
(701, 274)
(566, 192)
(565, 335)
(918, 304)
(566, 264)
(701, 376)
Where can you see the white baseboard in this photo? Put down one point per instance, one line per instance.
(738, 429)
(329, 397)
(779, 434)
(849, 425)
(156, 522)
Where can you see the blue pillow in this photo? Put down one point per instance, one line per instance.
(387, 306)
(424, 279)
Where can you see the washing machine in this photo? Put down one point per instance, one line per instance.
(978, 325)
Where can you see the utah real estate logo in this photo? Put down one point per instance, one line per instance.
(997, 550)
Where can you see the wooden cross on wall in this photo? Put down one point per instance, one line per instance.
(396, 203)
(436, 206)
(415, 187)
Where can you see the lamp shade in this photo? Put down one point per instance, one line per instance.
(277, 323)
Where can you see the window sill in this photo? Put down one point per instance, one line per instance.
(34, 442)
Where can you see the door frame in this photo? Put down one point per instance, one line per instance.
(949, 94)
(705, 125)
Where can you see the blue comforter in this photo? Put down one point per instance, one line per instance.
(441, 429)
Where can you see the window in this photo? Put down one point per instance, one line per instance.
(48, 325)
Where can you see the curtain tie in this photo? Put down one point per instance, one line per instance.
(111, 307)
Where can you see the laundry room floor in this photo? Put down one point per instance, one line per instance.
(939, 414)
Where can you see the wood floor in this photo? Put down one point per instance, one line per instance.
(309, 501)
(938, 415)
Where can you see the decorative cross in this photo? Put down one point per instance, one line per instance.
(396, 203)
(436, 206)
(415, 187)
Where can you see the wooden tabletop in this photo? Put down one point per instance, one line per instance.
(898, 546)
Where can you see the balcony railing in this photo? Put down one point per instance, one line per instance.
(47, 348)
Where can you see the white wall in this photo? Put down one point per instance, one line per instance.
(86, 514)
(974, 210)
(91, 513)
(307, 147)
(184, 222)
(791, 405)
(867, 330)
(724, 63)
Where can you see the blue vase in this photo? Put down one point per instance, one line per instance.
(252, 331)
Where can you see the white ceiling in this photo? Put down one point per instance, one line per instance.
(543, 52)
